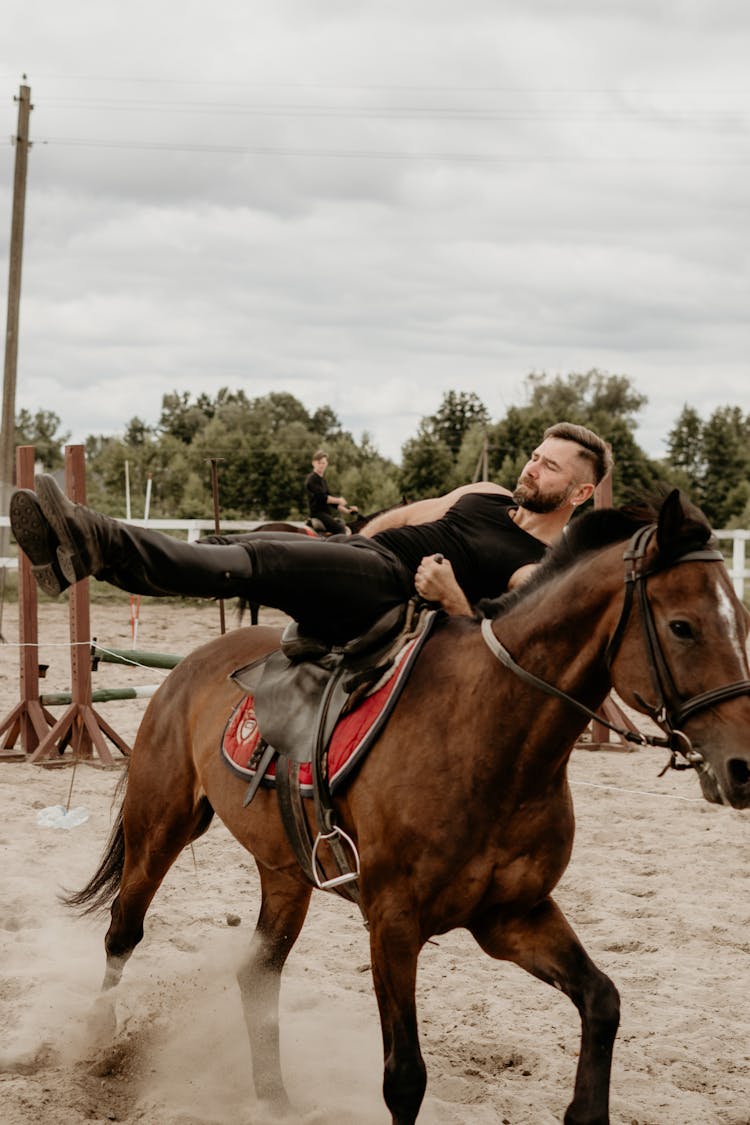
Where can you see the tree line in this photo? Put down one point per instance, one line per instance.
(263, 447)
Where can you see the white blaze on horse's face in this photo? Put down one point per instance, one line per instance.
(729, 617)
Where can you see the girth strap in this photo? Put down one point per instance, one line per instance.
(291, 809)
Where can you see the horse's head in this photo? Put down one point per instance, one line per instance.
(680, 649)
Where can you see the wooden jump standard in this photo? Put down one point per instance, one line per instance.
(29, 719)
(41, 734)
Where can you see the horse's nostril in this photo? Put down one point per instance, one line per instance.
(739, 771)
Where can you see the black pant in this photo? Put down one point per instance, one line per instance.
(335, 588)
(330, 523)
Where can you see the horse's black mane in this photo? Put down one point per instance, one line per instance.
(591, 532)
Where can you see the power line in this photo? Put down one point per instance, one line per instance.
(440, 113)
(393, 154)
(413, 87)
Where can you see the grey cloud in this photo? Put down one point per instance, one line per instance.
(570, 193)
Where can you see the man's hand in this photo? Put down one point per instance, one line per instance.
(435, 581)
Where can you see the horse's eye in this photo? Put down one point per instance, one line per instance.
(682, 629)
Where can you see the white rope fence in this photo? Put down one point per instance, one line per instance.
(640, 792)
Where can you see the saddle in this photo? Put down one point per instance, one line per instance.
(300, 692)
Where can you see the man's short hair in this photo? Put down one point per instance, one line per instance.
(319, 454)
(596, 451)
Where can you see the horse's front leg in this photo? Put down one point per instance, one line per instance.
(284, 905)
(394, 947)
(544, 944)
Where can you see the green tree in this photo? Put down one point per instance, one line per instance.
(368, 480)
(458, 413)
(726, 456)
(325, 422)
(182, 418)
(435, 461)
(115, 465)
(472, 455)
(137, 433)
(712, 461)
(607, 404)
(263, 447)
(42, 431)
(685, 450)
(427, 467)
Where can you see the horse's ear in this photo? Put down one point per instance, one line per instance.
(682, 527)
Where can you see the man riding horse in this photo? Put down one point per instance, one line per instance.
(476, 541)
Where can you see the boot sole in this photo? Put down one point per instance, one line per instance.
(37, 541)
(53, 504)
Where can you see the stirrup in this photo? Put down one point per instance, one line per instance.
(337, 880)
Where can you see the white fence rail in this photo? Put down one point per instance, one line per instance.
(736, 556)
(732, 543)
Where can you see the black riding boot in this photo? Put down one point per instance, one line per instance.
(139, 560)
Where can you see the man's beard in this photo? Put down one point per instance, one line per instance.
(528, 496)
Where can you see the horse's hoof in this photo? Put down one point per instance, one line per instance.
(101, 1021)
(279, 1110)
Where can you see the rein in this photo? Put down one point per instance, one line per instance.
(501, 653)
(669, 713)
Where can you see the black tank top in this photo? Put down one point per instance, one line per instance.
(479, 538)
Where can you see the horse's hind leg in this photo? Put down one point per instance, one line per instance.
(284, 904)
(158, 820)
(544, 944)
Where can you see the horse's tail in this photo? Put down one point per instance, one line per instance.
(104, 884)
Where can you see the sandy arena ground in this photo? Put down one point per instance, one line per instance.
(658, 889)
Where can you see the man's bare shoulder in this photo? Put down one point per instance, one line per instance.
(479, 486)
(425, 511)
(442, 504)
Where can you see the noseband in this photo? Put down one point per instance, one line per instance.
(669, 712)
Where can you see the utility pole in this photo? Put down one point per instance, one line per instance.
(8, 422)
(483, 465)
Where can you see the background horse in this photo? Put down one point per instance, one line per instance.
(462, 814)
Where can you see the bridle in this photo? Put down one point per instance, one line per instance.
(669, 712)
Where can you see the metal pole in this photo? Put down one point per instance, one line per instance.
(217, 527)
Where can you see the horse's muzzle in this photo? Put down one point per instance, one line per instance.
(732, 787)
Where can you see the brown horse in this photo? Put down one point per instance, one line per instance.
(461, 814)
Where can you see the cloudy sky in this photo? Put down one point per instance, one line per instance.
(369, 204)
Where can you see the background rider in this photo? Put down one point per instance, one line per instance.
(319, 499)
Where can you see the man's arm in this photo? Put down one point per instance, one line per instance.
(435, 581)
(425, 511)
